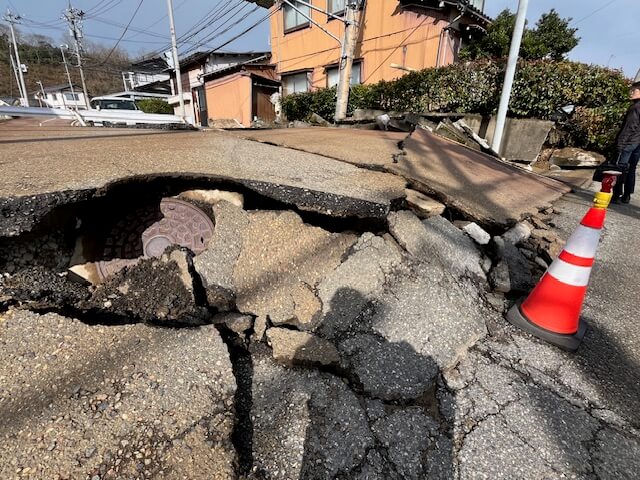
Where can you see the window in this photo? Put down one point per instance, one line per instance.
(336, 6)
(333, 73)
(293, 19)
(296, 83)
(71, 96)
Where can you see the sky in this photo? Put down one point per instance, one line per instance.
(105, 22)
(609, 29)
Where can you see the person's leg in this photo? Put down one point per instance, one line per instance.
(630, 181)
(624, 155)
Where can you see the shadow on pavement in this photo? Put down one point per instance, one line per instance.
(408, 437)
(612, 370)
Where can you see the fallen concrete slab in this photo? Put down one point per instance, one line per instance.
(120, 401)
(41, 174)
(482, 187)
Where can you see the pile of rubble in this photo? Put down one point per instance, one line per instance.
(336, 346)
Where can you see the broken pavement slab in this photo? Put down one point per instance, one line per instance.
(309, 424)
(80, 401)
(40, 175)
(291, 347)
(281, 262)
(375, 148)
(486, 189)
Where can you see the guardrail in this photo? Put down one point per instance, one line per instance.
(89, 117)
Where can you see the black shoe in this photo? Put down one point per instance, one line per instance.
(615, 200)
(626, 198)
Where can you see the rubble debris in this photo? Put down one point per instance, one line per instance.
(422, 205)
(519, 233)
(291, 347)
(315, 119)
(475, 231)
(260, 328)
(224, 123)
(299, 124)
(217, 263)
(362, 114)
(212, 197)
(572, 157)
(123, 401)
(154, 290)
(482, 142)
(512, 272)
(39, 288)
(455, 132)
(439, 238)
(281, 262)
(236, 322)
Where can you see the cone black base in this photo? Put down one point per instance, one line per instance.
(566, 342)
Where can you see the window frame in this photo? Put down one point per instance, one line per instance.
(338, 13)
(335, 66)
(283, 78)
(300, 26)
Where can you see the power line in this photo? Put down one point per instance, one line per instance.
(123, 33)
(595, 11)
(214, 33)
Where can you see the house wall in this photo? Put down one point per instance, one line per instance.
(389, 36)
(57, 100)
(230, 97)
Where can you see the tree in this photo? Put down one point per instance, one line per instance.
(551, 38)
(555, 36)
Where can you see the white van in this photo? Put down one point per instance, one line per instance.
(113, 103)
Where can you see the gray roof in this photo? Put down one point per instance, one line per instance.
(63, 87)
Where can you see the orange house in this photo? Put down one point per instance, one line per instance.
(395, 37)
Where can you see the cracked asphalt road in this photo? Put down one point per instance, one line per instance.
(523, 409)
(512, 407)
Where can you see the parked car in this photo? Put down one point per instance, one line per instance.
(113, 103)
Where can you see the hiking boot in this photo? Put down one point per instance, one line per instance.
(626, 198)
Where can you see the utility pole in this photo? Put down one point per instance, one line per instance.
(15, 72)
(176, 61)
(74, 16)
(41, 91)
(510, 73)
(12, 19)
(351, 32)
(66, 69)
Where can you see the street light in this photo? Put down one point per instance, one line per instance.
(64, 47)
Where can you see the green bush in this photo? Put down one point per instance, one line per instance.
(154, 105)
(539, 89)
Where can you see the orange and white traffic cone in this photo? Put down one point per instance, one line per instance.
(552, 310)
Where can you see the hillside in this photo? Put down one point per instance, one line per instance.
(44, 61)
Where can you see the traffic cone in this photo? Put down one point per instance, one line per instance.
(552, 310)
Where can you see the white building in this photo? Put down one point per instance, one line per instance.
(61, 96)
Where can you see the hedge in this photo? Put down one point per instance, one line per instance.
(540, 87)
(154, 105)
